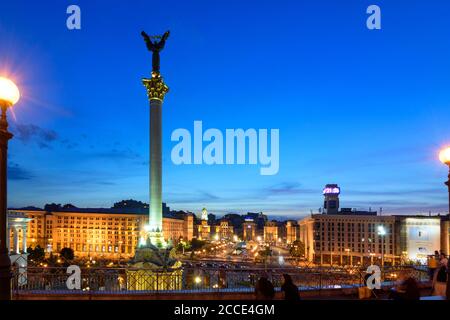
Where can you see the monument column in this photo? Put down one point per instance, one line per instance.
(156, 90)
(155, 164)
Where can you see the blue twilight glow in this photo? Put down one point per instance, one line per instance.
(367, 109)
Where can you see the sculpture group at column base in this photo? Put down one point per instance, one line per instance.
(154, 268)
(156, 238)
(155, 253)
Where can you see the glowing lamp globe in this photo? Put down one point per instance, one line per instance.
(9, 92)
(444, 156)
(381, 231)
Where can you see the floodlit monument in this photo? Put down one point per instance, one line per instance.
(156, 91)
(155, 265)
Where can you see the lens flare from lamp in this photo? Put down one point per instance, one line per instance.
(9, 91)
(444, 156)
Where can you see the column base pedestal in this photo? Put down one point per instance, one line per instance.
(154, 238)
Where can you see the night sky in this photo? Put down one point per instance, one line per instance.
(368, 110)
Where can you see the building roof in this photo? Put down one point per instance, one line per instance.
(130, 211)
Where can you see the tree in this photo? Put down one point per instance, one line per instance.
(67, 254)
(52, 207)
(197, 244)
(182, 246)
(37, 254)
(297, 249)
(134, 204)
(69, 206)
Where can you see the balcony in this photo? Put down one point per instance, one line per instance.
(198, 283)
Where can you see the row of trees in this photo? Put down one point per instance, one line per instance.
(297, 249)
(37, 254)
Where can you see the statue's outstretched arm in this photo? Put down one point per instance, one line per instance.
(147, 40)
(162, 42)
(165, 35)
(146, 37)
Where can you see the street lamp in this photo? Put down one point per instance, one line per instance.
(9, 95)
(444, 156)
(382, 233)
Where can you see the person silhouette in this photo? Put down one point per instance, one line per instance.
(290, 289)
(264, 289)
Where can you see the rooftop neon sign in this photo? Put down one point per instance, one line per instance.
(331, 190)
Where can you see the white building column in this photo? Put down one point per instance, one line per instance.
(24, 239)
(16, 240)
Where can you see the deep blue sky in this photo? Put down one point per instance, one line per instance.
(368, 110)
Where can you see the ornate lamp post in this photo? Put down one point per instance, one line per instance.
(9, 95)
(444, 156)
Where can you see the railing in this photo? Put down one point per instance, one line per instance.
(53, 280)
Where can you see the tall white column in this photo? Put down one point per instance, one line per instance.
(156, 90)
(155, 165)
(24, 239)
(16, 240)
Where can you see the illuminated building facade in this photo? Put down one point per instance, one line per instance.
(271, 232)
(219, 230)
(419, 236)
(249, 230)
(347, 239)
(103, 234)
(17, 230)
(355, 238)
(347, 236)
(224, 230)
(17, 242)
(292, 231)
